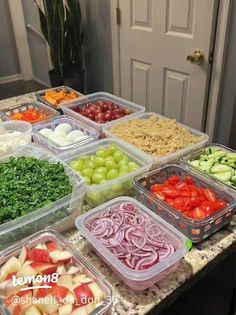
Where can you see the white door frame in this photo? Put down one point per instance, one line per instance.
(217, 67)
(22, 45)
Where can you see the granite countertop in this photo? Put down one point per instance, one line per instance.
(192, 267)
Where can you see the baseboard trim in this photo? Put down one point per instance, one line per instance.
(10, 78)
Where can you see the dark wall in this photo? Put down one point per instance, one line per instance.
(98, 51)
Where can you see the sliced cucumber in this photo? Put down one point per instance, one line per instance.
(231, 156)
(195, 163)
(219, 168)
(211, 150)
(223, 176)
(217, 154)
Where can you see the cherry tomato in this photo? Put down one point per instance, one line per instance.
(208, 207)
(186, 193)
(209, 194)
(195, 201)
(220, 203)
(156, 187)
(180, 185)
(188, 180)
(198, 214)
(180, 203)
(159, 195)
(170, 192)
(169, 201)
(173, 180)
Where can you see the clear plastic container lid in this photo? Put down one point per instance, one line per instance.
(88, 131)
(53, 236)
(172, 157)
(41, 98)
(22, 107)
(68, 107)
(181, 243)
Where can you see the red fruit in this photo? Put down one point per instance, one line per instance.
(159, 195)
(39, 255)
(91, 116)
(198, 214)
(209, 194)
(195, 201)
(189, 180)
(51, 247)
(170, 192)
(180, 203)
(10, 275)
(108, 116)
(59, 292)
(83, 294)
(220, 203)
(157, 187)
(173, 180)
(44, 268)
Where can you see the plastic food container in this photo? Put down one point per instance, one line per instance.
(136, 279)
(123, 185)
(194, 229)
(195, 155)
(22, 107)
(173, 157)
(10, 142)
(59, 214)
(41, 98)
(67, 108)
(76, 125)
(80, 262)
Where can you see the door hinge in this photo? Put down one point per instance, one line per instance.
(210, 59)
(118, 16)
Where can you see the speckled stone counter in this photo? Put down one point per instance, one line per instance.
(191, 268)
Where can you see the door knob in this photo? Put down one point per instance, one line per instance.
(196, 57)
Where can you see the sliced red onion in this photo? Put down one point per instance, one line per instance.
(132, 236)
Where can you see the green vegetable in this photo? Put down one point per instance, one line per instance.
(27, 184)
(218, 163)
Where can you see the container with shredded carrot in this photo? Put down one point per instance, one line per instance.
(155, 136)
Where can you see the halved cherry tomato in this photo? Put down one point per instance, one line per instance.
(198, 214)
(181, 185)
(169, 201)
(170, 192)
(180, 203)
(189, 180)
(208, 207)
(220, 203)
(195, 201)
(156, 187)
(159, 195)
(173, 180)
(186, 193)
(209, 194)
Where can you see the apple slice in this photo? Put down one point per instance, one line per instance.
(51, 247)
(12, 265)
(3, 286)
(41, 246)
(65, 281)
(39, 255)
(32, 310)
(97, 292)
(12, 288)
(84, 309)
(10, 275)
(61, 256)
(23, 255)
(61, 270)
(47, 305)
(86, 280)
(26, 271)
(70, 298)
(44, 268)
(79, 277)
(65, 309)
(83, 294)
(72, 270)
(59, 292)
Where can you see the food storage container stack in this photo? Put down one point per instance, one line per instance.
(196, 230)
(20, 108)
(88, 134)
(139, 246)
(61, 256)
(172, 157)
(114, 187)
(72, 108)
(59, 214)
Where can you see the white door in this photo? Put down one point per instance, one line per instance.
(155, 38)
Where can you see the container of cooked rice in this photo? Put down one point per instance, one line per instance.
(163, 139)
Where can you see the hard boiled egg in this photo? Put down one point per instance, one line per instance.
(46, 132)
(65, 127)
(74, 134)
